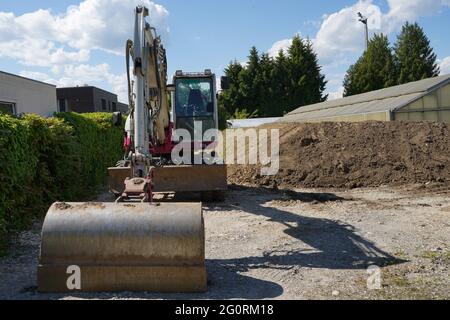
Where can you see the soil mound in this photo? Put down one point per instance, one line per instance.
(367, 154)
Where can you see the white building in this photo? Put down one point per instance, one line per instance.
(22, 95)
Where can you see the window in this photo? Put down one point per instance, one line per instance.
(194, 97)
(103, 104)
(62, 105)
(114, 106)
(8, 108)
(109, 105)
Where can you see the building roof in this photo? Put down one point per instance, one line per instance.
(24, 78)
(389, 99)
(250, 123)
(86, 87)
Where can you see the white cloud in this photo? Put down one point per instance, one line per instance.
(338, 94)
(342, 33)
(119, 85)
(339, 32)
(444, 64)
(41, 53)
(79, 75)
(31, 40)
(334, 85)
(279, 45)
(87, 73)
(93, 24)
(340, 38)
(409, 10)
(106, 24)
(63, 43)
(8, 27)
(35, 75)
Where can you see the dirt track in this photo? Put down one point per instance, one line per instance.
(305, 244)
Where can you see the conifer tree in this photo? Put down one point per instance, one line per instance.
(414, 56)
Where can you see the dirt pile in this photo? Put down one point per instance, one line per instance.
(334, 155)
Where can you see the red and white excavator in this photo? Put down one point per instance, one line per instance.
(136, 243)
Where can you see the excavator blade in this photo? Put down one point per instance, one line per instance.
(108, 247)
(193, 178)
(183, 178)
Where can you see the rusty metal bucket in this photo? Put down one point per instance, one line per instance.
(123, 247)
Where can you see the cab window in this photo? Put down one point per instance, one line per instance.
(194, 98)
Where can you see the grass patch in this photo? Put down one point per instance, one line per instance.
(437, 256)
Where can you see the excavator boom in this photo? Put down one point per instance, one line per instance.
(133, 244)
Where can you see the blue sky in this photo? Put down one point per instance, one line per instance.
(68, 42)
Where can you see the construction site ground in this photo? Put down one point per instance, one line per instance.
(298, 244)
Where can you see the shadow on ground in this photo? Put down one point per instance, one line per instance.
(334, 245)
(222, 284)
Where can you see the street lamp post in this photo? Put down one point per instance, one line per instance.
(364, 20)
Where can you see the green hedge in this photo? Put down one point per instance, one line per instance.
(56, 159)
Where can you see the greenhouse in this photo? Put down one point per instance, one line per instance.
(427, 100)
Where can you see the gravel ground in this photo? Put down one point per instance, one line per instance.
(304, 244)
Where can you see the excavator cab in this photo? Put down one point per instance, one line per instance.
(194, 101)
(194, 111)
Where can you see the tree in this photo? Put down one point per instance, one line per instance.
(250, 82)
(414, 56)
(271, 87)
(296, 73)
(374, 70)
(232, 98)
(350, 80)
(266, 86)
(316, 82)
(280, 84)
(307, 84)
(378, 68)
